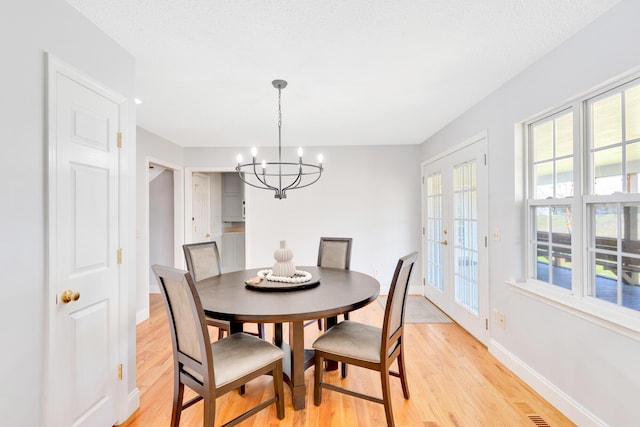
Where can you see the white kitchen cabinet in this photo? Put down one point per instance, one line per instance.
(232, 252)
(232, 198)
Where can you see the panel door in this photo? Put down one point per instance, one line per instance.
(83, 255)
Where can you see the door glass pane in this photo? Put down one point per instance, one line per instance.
(435, 233)
(465, 238)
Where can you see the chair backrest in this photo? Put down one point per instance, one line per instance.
(335, 252)
(396, 303)
(203, 260)
(189, 334)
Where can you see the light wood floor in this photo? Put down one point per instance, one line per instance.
(453, 381)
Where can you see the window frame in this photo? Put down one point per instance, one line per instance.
(577, 299)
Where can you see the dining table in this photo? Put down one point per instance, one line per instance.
(328, 293)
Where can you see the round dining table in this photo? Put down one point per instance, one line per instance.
(329, 292)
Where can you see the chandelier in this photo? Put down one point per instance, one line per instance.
(279, 176)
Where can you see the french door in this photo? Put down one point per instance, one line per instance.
(455, 243)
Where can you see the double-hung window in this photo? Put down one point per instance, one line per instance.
(583, 198)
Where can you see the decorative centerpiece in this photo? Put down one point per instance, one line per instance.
(283, 276)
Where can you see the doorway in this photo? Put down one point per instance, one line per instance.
(455, 218)
(215, 209)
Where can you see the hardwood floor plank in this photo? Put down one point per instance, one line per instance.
(453, 381)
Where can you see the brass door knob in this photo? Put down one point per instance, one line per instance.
(69, 295)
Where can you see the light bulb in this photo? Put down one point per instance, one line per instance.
(254, 151)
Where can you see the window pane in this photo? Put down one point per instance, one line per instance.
(607, 121)
(543, 180)
(633, 167)
(632, 112)
(564, 178)
(542, 135)
(631, 282)
(564, 135)
(607, 169)
(562, 267)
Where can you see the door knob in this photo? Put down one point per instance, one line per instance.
(69, 295)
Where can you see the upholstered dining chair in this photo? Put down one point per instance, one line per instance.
(203, 261)
(369, 346)
(333, 252)
(212, 369)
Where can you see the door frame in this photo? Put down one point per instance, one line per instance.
(178, 220)
(126, 402)
(483, 135)
(188, 200)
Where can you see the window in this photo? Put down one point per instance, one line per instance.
(583, 197)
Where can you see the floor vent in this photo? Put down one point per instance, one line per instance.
(537, 420)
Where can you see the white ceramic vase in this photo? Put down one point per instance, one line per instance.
(284, 266)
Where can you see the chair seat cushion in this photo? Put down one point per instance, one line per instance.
(240, 354)
(352, 339)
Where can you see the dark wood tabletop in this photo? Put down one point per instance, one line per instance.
(339, 291)
(226, 296)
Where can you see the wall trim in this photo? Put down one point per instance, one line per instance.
(558, 398)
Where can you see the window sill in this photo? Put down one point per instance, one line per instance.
(617, 319)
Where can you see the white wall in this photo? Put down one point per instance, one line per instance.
(370, 193)
(150, 148)
(28, 29)
(161, 242)
(589, 372)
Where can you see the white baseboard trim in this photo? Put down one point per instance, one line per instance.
(142, 315)
(563, 402)
(133, 403)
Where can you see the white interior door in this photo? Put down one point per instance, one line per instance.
(455, 236)
(83, 254)
(201, 209)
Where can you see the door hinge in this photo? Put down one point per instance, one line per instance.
(120, 371)
(119, 255)
(119, 139)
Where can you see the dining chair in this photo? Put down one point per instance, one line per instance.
(333, 252)
(369, 346)
(203, 261)
(212, 369)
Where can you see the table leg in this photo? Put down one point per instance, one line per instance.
(296, 342)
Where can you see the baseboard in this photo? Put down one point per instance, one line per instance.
(563, 402)
(133, 403)
(142, 315)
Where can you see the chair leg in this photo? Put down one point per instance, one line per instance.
(386, 397)
(278, 389)
(178, 394)
(317, 379)
(402, 370)
(209, 416)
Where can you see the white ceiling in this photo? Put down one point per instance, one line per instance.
(360, 72)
